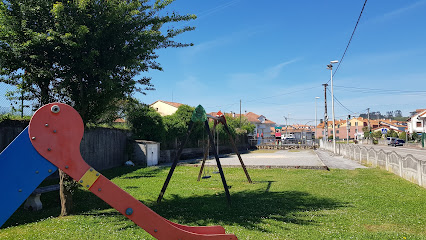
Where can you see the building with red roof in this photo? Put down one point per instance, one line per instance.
(165, 108)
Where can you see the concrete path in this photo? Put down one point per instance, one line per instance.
(306, 159)
(337, 161)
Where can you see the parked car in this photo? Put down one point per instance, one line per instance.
(397, 142)
(390, 140)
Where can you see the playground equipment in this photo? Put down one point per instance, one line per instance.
(199, 115)
(51, 141)
(220, 118)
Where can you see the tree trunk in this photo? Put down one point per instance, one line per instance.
(65, 193)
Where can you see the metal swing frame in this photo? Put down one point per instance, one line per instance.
(219, 119)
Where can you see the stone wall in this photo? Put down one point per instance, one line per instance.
(407, 167)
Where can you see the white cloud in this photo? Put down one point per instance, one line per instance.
(399, 12)
(252, 79)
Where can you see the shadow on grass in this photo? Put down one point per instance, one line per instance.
(248, 208)
(83, 201)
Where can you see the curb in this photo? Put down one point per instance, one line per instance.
(325, 166)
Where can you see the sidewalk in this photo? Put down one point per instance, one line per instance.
(336, 161)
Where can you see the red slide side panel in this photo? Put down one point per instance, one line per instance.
(147, 219)
(56, 135)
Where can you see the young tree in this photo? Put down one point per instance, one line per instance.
(402, 135)
(377, 134)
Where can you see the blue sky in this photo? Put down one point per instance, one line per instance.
(273, 55)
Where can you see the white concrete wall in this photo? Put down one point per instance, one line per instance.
(407, 167)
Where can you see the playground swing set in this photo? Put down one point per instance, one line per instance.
(199, 115)
(52, 141)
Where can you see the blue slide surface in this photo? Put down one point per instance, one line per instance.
(22, 169)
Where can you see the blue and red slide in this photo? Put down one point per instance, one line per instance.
(52, 141)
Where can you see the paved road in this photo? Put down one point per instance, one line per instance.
(403, 151)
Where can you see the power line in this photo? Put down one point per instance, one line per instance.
(382, 90)
(340, 102)
(262, 98)
(350, 39)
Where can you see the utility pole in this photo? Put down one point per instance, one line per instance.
(285, 138)
(325, 114)
(368, 118)
(240, 113)
(347, 128)
(316, 119)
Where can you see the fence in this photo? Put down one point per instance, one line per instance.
(101, 148)
(14, 107)
(407, 167)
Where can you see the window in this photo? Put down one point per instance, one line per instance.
(337, 131)
(418, 124)
(349, 130)
(356, 124)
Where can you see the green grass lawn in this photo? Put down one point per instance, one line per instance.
(281, 204)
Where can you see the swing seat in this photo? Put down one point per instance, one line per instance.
(205, 177)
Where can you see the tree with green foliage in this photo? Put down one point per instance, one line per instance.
(245, 127)
(392, 133)
(414, 136)
(366, 132)
(145, 122)
(402, 135)
(377, 134)
(86, 53)
(176, 126)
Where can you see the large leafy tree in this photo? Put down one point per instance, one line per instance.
(87, 53)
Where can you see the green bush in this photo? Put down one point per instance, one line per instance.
(145, 122)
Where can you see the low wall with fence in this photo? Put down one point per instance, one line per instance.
(407, 167)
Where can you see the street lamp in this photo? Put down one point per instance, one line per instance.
(316, 117)
(286, 126)
(330, 66)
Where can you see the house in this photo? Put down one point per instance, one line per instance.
(263, 125)
(356, 125)
(417, 122)
(165, 108)
(298, 132)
